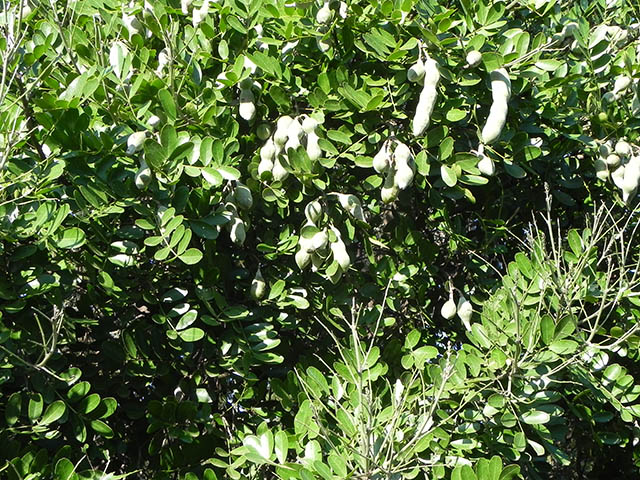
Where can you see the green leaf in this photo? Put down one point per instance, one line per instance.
(70, 238)
(53, 412)
(281, 446)
(535, 417)
(448, 175)
(191, 256)
(13, 408)
(64, 469)
(35, 406)
(191, 334)
(102, 428)
(168, 104)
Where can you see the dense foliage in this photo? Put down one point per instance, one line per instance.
(228, 248)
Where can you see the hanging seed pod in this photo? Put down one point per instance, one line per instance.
(427, 100)
(258, 286)
(501, 92)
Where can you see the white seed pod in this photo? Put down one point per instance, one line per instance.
(474, 57)
(309, 125)
(132, 24)
(313, 146)
(612, 160)
(281, 134)
(268, 150)
(404, 175)
(154, 121)
(199, 14)
(381, 160)
(319, 240)
(324, 14)
(623, 148)
(322, 45)
(486, 165)
(631, 175)
(238, 233)
(294, 133)
(184, 6)
(416, 71)
(343, 9)
(258, 286)
(427, 100)
(352, 205)
(630, 180)
(303, 258)
(448, 309)
(313, 211)
(617, 176)
(602, 172)
(621, 83)
(135, 142)
(279, 173)
(340, 255)
(389, 191)
(465, 312)
(143, 176)
(501, 92)
(247, 108)
(628, 196)
(242, 196)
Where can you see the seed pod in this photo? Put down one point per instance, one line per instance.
(474, 57)
(623, 148)
(612, 160)
(324, 14)
(313, 211)
(352, 205)
(132, 24)
(153, 121)
(416, 71)
(247, 108)
(465, 312)
(294, 132)
(404, 166)
(381, 159)
(135, 142)
(486, 165)
(258, 286)
(427, 99)
(501, 92)
(263, 132)
(303, 258)
(448, 309)
(281, 134)
(340, 255)
(184, 5)
(627, 197)
(313, 147)
(620, 85)
(309, 125)
(143, 176)
(322, 45)
(617, 176)
(242, 196)
(319, 240)
(389, 191)
(631, 175)
(602, 172)
(238, 233)
(279, 172)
